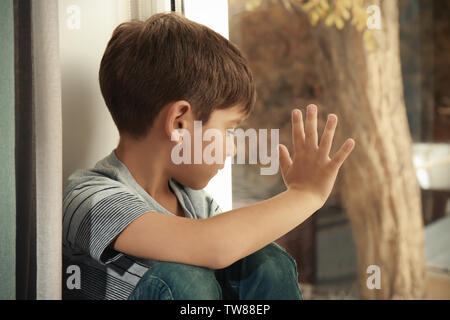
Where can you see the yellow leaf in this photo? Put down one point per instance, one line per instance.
(314, 18)
(345, 14)
(329, 20)
(324, 4)
(308, 6)
(252, 5)
(339, 23)
(347, 3)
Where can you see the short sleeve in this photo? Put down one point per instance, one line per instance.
(95, 213)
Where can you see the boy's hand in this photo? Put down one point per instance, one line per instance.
(311, 170)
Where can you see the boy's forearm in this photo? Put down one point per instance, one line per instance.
(240, 232)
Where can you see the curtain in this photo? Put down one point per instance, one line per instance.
(7, 157)
(38, 150)
(47, 98)
(25, 155)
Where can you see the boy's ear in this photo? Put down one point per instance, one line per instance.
(178, 115)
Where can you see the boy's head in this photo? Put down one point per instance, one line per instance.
(162, 74)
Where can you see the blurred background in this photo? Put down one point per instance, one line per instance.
(381, 66)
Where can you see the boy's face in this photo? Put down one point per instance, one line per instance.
(213, 141)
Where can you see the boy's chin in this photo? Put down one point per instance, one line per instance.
(197, 183)
(198, 186)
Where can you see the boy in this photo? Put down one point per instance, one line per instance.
(140, 226)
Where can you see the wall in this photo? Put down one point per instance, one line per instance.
(89, 133)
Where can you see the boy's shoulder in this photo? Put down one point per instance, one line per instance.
(104, 173)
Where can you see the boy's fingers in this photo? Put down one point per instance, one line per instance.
(311, 126)
(328, 135)
(298, 132)
(343, 153)
(285, 159)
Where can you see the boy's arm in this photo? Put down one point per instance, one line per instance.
(221, 240)
(218, 241)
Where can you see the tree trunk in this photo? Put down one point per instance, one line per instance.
(377, 183)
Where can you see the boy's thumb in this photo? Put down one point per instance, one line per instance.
(285, 159)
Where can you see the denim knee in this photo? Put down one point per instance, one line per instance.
(274, 274)
(177, 281)
(277, 266)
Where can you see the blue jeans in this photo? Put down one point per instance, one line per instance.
(267, 274)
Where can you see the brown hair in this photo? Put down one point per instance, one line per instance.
(167, 58)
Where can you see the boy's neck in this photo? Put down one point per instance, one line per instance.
(147, 167)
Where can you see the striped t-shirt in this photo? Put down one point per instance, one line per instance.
(97, 205)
